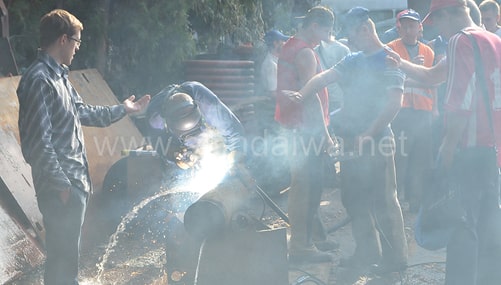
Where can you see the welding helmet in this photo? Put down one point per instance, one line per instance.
(182, 115)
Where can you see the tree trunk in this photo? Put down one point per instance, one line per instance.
(102, 43)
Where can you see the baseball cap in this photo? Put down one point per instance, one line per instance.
(409, 14)
(274, 35)
(354, 17)
(440, 4)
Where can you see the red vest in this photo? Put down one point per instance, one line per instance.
(288, 113)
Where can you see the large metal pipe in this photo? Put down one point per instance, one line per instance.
(222, 208)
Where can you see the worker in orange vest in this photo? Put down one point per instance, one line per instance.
(412, 126)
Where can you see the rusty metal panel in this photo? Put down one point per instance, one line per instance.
(18, 252)
(10, 105)
(245, 258)
(14, 171)
(104, 145)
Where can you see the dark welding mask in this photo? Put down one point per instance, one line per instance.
(182, 116)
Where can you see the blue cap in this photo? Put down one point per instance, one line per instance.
(354, 17)
(409, 14)
(275, 35)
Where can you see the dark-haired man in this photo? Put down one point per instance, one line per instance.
(373, 95)
(412, 125)
(305, 124)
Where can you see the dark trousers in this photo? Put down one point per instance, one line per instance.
(474, 251)
(414, 153)
(63, 224)
(368, 192)
(305, 159)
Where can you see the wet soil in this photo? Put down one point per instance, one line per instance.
(139, 256)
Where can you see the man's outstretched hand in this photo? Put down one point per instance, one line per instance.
(137, 106)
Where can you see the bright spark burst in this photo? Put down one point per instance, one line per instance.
(211, 171)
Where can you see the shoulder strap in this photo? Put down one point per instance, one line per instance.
(479, 71)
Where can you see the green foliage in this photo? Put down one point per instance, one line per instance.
(149, 40)
(229, 22)
(24, 17)
(277, 15)
(140, 45)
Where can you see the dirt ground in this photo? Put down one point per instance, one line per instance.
(138, 256)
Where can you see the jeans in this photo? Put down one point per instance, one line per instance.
(474, 251)
(63, 224)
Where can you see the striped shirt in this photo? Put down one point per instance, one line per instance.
(464, 95)
(51, 115)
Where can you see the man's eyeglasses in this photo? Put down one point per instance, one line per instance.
(78, 41)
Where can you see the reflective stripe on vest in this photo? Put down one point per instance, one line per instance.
(418, 98)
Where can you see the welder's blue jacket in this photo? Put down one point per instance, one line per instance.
(215, 113)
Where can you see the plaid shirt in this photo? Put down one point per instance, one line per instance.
(51, 115)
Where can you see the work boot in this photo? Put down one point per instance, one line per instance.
(308, 255)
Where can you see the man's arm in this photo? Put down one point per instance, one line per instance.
(313, 84)
(318, 82)
(428, 76)
(217, 114)
(456, 124)
(306, 65)
(103, 116)
(411, 82)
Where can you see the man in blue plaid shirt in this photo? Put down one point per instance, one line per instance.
(51, 115)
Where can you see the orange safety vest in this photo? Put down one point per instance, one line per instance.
(416, 98)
